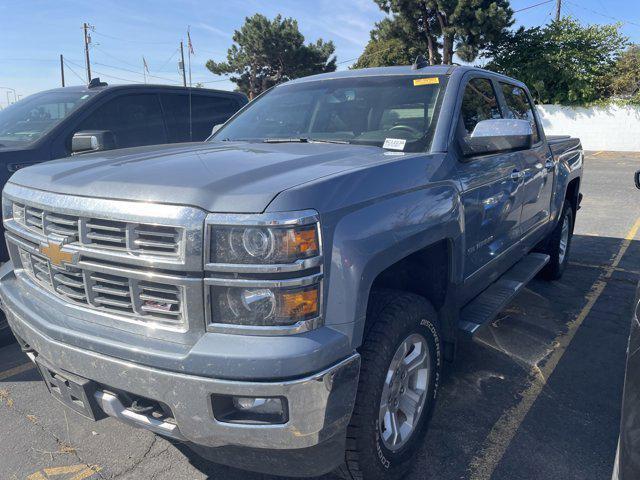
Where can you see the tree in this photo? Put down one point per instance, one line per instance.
(391, 43)
(267, 52)
(445, 27)
(563, 62)
(625, 83)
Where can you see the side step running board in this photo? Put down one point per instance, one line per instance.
(486, 306)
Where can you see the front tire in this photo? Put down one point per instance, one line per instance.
(558, 245)
(398, 386)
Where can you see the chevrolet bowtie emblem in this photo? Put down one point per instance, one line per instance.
(55, 253)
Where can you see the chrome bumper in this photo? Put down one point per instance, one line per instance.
(320, 405)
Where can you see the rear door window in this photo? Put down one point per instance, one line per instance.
(479, 102)
(519, 107)
(176, 110)
(206, 112)
(134, 119)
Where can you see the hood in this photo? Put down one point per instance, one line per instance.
(224, 177)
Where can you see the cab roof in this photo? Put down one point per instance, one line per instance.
(137, 86)
(399, 70)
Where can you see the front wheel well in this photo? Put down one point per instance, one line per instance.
(572, 194)
(424, 273)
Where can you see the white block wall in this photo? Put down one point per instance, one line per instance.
(613, 128)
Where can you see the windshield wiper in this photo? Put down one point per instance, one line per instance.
(285, 140)
(340, 142)
(302, 140)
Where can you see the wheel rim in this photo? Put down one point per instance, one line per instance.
(404, 392)
(564, 239)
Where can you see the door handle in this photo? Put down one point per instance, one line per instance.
(549, 165)
(516, 175)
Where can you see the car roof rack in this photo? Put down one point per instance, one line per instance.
(95, 82)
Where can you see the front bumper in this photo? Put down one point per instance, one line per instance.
(319, 405)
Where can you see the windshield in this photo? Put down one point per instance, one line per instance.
(392, 111)
(26, 121)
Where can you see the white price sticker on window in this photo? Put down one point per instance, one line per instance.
(394, 143)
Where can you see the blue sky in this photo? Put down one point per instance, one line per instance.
(35, 32)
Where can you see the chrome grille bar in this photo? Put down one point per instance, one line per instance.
(149, 301)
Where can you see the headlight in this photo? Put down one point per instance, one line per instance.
(264, 271)
(260, 244)
(265, 306)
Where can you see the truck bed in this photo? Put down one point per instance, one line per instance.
(564, 145)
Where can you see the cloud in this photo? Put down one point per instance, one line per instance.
(212, 29)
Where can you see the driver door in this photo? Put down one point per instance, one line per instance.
(492, 193)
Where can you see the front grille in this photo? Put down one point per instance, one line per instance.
(146, 300)
(101, 233)
(48, 223)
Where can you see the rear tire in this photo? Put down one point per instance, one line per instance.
(400, 372)
(558, 245)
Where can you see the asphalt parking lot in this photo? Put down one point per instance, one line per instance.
(537, 395)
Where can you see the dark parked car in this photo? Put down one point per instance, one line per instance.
(627, 465)
(60, 122)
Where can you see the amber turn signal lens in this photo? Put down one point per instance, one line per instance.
(302, 242)
(300, 304)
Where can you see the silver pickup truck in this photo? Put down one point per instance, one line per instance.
(282, 297)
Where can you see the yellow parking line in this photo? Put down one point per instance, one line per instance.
(16, 370)
(602, 267)
(497, 441)
(597, 153)
(82, 471)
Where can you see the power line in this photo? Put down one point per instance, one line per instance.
(533, 6)
(129, 40)
(603, 14)
(102, 74)
(114, 57)
(133, 71)
(66, 64)
(168, 60)
(106, 74)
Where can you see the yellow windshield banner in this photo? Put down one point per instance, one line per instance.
(426, 81)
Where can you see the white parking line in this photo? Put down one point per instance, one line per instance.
(497, 441)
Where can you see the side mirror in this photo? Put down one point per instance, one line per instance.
(216, 128)
(92, 141)
(636, 176)
(491, 136)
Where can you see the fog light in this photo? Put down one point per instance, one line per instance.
(269, 406)
(252, 410)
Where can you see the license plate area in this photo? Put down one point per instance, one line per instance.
(71, 390)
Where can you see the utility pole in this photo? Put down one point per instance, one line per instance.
(184, 75)
(86, 50)
(62, 69)
(558, 9)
